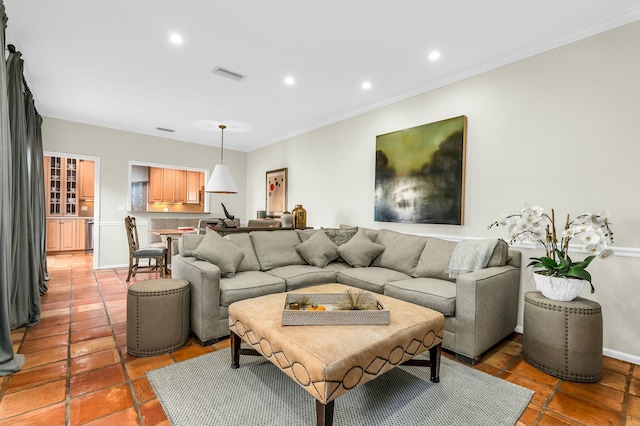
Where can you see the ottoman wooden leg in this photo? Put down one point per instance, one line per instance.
(324, 413)
(235, 350)
(435, 354)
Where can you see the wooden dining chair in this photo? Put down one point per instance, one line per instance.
(157, 254)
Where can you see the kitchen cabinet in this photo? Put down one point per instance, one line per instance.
(86, 174)
(169, 186)
(194, 184)
(156, 185)
(61, 185)
(180, 186)
(175, 186)
(65, 234)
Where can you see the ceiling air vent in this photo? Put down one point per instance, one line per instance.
(164, 129)
(229, 74)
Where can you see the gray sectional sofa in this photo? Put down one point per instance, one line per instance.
(480, 307)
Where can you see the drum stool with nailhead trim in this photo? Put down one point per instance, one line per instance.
(157, 316)
(563, 339)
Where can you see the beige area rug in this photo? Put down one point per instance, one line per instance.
(207, 391)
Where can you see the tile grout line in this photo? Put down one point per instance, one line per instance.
(129, 381)
(67, 413)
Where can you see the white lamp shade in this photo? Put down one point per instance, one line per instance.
(221, 181)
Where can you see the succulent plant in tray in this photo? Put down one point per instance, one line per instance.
(355, 301)
(303, 301)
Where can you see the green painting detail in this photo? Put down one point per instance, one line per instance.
(420, 174)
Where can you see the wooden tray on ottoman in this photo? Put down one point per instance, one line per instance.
(336, 316)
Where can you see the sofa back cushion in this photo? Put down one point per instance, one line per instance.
(243, 242)
(434, 260)
(276, 248)
(500, 255)
(402, 251)
(187, 243)
(222, 253)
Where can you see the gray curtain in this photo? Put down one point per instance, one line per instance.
(23, 214)
(35, 158)
(9, 362)
(24, 288)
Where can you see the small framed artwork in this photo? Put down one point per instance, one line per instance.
(276, 185)
(420, 173)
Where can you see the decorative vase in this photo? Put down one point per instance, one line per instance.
(287, 219)
(299, 216)
(562, 289)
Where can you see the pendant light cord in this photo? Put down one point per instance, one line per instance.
(222, 127)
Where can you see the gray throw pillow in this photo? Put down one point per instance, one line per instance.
(360, 250)
(242, 240)
(187, 243)
(318, 250)
(222, 253)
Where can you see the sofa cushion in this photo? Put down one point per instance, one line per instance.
(245, 285)
(243, 242)
(434, 259)
(371, 278)
(360, 250)
(431, 293)
(318, 250)
(276, 248)
(402, 251)
(298, 276)
(215, 249)
(187, 243)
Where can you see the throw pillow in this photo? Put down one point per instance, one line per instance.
(318, 250)
(340, 236)
(360, 250)
(187, 243)
(222, 253)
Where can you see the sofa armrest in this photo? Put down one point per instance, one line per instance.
(204, 278)
(486, 308)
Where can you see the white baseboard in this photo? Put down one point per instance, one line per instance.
(622, 356)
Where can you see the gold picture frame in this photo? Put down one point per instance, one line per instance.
(276, 183)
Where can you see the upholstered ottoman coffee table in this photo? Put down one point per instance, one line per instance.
(327, 361)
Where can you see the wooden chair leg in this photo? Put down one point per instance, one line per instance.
(130, 269)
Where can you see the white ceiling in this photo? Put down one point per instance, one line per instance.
(110, 63)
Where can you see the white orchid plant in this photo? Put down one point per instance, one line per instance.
(532, 224)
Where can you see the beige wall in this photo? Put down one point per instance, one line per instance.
(557, 130)
(113, 150)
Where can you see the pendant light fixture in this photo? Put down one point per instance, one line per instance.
(221, 181)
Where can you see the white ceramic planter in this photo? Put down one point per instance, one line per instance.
(562, 289)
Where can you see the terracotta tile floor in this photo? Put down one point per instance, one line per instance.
(77, 370)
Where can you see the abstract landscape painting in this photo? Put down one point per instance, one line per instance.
(420, 173)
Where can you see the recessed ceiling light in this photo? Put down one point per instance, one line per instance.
(366, 85)
(176, 38)
(434, 56)
(289, 80)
